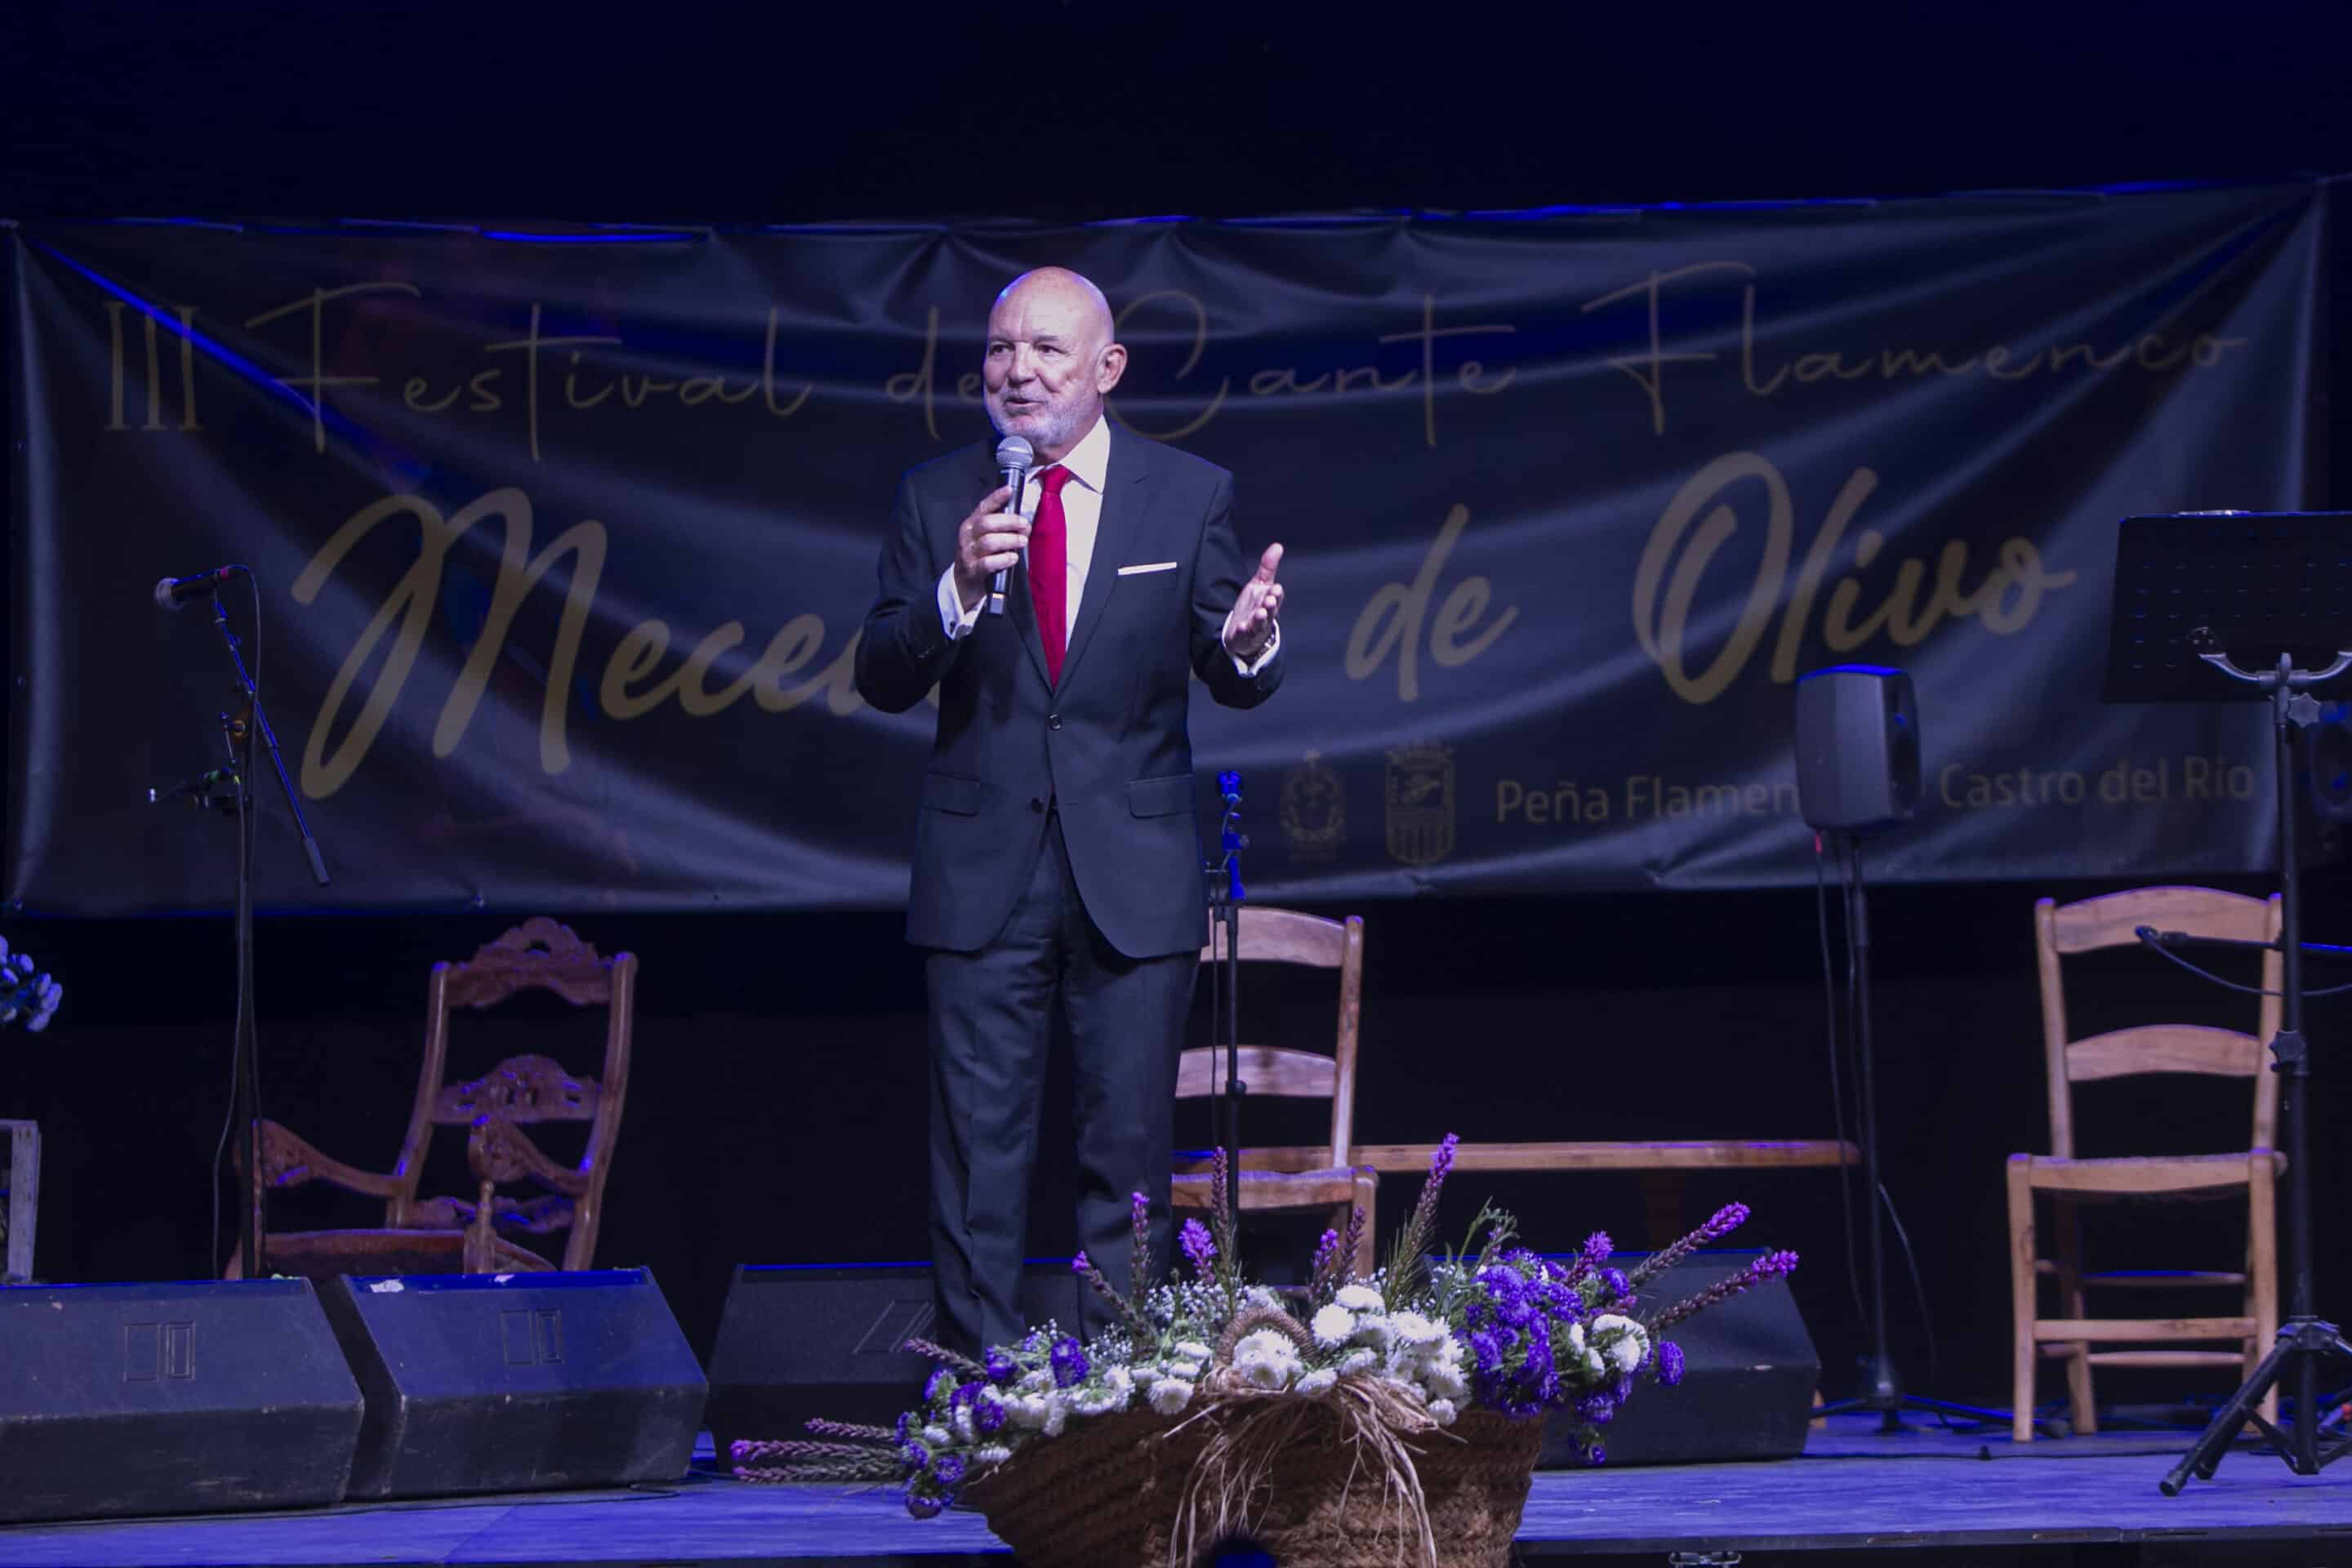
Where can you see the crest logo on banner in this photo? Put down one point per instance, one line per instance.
(1314, 810)
(1421, 803)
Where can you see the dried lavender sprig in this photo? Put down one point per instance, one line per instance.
(1327, 1261)
(1765, 1268)
(1221, 1219)
(1724, 1220)
(823, 1428)
(796, 1450)
(1199, 1248)
(931, 1352)
(1130, 1314)
(1350, 1244)
(1412, 1242)
(1138, 1259)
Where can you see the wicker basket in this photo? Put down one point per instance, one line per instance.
(1107, 1493)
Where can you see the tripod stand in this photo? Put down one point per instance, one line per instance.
(2303, 1339)
(1883, 1389)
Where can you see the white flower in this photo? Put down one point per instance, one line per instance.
(1595, 1364)
(1035, 1382)
(1612, 1323)
(1058, 1415)
(1373, 1330)
(1259, 1296)
(1333, 1325)
(1121, 1381)
(1315, 1382)
(961, 1422)
(1170, 1394)
(1444, 1410)
(1145, 1377)
(1194, 1350)
(937, 1436)
(1357, 1361)
(1025, 1410)
(1415, 1330)
(994, 1454)
(1447, 1383)
(1360, 1299)
(1629, 1352)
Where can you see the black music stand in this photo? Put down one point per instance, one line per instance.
(2210, 607)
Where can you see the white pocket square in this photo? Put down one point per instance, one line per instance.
(1154, 566)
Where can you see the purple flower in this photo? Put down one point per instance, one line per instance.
(1597, 1248)
(1670, 1362)
(1070, 1364)
(1614, 1281)
(988, 1415)
(1596, 1409)
(914, 1455)
(1485, 1352)
(1001, 1367)
(1596, 1455)
(965, 1393)
(949, 1470)
(1327, 1253)
(1198, 1247)
(939, 1379)
(922, 1505)
(906, 1425)
(1080, 1265)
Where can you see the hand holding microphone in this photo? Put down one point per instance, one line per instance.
(991, 541)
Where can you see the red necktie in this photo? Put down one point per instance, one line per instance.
(1049, 570)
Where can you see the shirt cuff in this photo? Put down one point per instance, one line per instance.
(1264, 655)
(954, 620)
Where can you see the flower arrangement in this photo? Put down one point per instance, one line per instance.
(1411, 1350)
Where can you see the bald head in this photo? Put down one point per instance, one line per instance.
(1051, 361)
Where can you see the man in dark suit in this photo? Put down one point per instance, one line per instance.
(1058, 858)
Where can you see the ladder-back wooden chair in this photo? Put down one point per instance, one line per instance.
(482, 1235)
(1290, 936)
(2073, 1182)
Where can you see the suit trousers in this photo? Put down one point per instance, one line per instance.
(990, 1020)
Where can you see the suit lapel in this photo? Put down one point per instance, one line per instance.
(1125, 494)
(1020, 607)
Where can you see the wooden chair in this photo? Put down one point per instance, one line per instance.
(452, 1235)
(1290, 936)
(2249, 1176)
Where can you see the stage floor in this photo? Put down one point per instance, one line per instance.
(1974, 1494)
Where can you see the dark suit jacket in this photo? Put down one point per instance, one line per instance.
(1108, 746)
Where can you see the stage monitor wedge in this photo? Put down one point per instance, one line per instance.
(503, 1383)
(197, 1397)
(824, 1339)
(1749, 1371)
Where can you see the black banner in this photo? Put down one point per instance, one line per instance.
(562, 541)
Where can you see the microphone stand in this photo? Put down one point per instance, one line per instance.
(240, 730)
(1225, 899)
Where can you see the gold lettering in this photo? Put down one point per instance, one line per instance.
(1200, 344)
(1427, 337)
(319, 381)
(530, 347)
(641, 648)
(909, 385)
(1392, 619)
(1660, 628)
(1649, 369)
(767, 376)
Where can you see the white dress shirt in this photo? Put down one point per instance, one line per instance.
(1082, 499)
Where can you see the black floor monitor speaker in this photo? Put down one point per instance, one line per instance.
(187, 1398)
(823, 1340)
(1857, 737)
(1749, 1371)
(501, 1382)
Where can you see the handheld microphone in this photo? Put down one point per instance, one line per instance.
(174, 591)
(1013, 456)
(198, 791)
(1229, 786)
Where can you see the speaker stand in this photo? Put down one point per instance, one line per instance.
(1881, 1384)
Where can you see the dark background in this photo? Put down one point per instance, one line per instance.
(773, 1115)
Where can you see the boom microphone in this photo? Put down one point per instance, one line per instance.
(174, 591)
(1013, 456)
